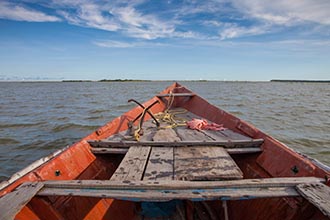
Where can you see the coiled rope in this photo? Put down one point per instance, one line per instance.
(169, 117)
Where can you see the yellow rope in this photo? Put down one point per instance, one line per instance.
(170, 116)
(171, 119)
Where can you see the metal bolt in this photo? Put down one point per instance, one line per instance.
(57, 172)
(295, 169)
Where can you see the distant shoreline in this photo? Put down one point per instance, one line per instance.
(145, 80)
(300, 81)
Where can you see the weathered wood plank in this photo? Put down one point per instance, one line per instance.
(133, 164)
(318, 195)
(114, 150)
(175, 184)
(234, 135)
(13, 202)
(250, 150)
(229, 144)
(186, 134)
(168, 190)
(167, 135)
(117, 137)
(160, 164)
(216, 135)
(204, 163)
(149, 130)
(169, 194)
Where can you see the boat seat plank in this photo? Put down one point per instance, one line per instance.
(168, 190)
(160, 164)
(176, 184)
(317, 194)
(116, 150)
(227, 144)
(13, 202)
(169, 194)
(133, 164)
(204, 163)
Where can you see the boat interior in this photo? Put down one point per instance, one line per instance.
(147, 164)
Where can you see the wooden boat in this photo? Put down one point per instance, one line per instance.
(169, 171)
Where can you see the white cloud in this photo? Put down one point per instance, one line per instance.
(196, 20)
(124, 44)
(214, 23)
(286, 12)
(90, 15)
(114, 44)
(19, 13)
(117, 16)
(234, 31)
(145, 26)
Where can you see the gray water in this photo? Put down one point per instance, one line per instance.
(38, 118)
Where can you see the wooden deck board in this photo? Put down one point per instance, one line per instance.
(191, 135)
(208, 161)
(167, 134)
(184, 134)
(216, 135)
(133, 165)
(160, 164)
(234, 135)
(318, 195)
(12, 203)
(149, 130)
(204, 163)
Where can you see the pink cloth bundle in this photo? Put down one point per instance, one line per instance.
(202, 124)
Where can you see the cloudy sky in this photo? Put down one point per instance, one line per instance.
(176, 40)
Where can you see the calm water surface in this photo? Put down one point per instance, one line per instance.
(38, 118)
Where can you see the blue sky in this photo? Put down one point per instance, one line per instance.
(169, 40)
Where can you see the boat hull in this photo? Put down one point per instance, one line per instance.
(78, 162)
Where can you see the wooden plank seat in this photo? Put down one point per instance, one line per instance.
(156, 190)
(116, 150)
(317, 194)
(12, 203)
(227, 144)
(167, 190)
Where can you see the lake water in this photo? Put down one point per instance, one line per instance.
(38, 118)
